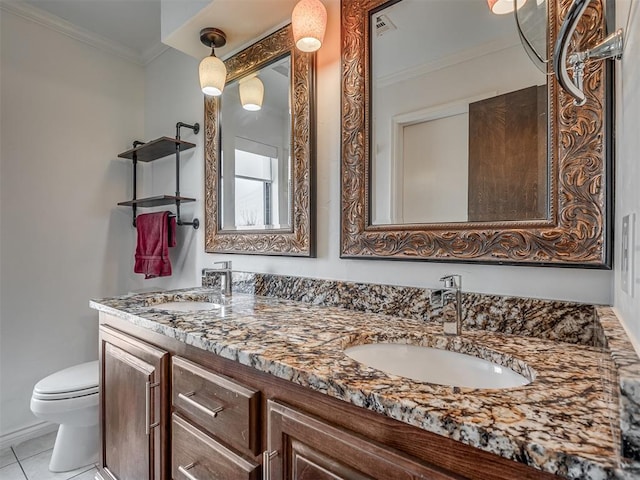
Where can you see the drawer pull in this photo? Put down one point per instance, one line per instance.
(185, 470)
(186, 397)
(147, 403)
(266, 461)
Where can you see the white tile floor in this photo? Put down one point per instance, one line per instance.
(30, 461)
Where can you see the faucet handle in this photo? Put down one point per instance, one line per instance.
(224, 265)
(452, 281)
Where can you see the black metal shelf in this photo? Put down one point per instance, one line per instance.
(156, 201)
(154, 150)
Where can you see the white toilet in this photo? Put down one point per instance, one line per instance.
(70, 397)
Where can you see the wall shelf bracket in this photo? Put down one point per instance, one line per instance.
(154, 150)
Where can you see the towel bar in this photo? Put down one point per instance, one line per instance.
(195, 223)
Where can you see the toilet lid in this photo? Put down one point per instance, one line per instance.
(72, 382)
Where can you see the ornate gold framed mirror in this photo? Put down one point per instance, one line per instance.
(442, 96)
(260, 152)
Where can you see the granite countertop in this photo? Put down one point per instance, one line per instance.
(566, 422)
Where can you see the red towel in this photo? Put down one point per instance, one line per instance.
(156, 233)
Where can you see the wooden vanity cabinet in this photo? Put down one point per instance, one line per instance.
(134, 409)
(303, 447)
(219, 420)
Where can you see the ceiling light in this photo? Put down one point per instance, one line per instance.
(500, 7)
(309, 20)
(213, 73)
(251, 93)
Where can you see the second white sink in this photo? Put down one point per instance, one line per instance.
(432, 365)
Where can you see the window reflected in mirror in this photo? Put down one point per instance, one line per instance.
(459, 117)
(255, 176)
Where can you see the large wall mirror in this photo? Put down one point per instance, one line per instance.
(457, 147)
(259, 152)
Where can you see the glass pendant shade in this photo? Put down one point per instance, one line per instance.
(309, 20)
(251, 94)
(213, 76)
(501, 7)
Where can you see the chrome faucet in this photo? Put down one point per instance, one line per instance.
(224, 273)
(453, 290)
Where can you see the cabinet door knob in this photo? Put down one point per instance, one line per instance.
(185, 471)
(186, 397)
(266, 461)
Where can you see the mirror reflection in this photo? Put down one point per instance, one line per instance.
(459, 117)
(531, 21)
(255, 173)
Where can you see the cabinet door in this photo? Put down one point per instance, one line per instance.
(133, 408)
(303, 447)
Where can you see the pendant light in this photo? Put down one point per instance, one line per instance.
(309, 20)
(213, 73)
(251, 93)
(501, 7)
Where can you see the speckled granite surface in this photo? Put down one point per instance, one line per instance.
(547, 319)
(566, 422)
(627, 368)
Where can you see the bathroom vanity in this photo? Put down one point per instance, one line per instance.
(260, 387)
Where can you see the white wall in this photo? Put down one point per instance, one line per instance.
(435, 164)
(627, 161)
(67, 111)
(173, 93)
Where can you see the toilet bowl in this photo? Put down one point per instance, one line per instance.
(70, 397)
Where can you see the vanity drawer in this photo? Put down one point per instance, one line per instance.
(223, 407)
(197, 456)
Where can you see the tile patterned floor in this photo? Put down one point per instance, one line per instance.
(30, 461)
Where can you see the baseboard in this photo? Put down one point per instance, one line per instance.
(26, 433)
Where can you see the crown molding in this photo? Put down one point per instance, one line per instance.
(448, 61)
(57, 24)
(152, 53)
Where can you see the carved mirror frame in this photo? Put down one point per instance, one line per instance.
(299, 238)
(577, 230)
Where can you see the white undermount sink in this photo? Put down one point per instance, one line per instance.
(432, 365)
(186, 306)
